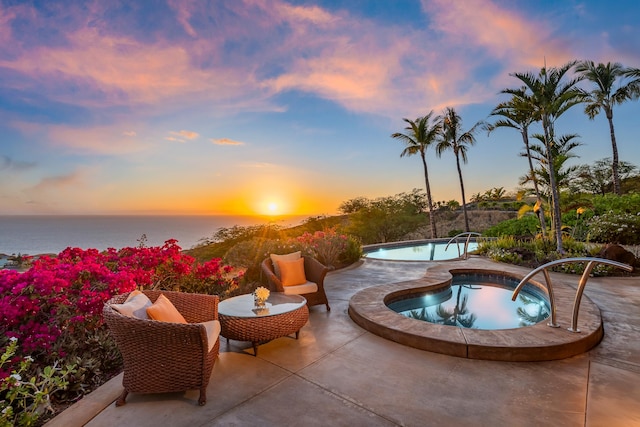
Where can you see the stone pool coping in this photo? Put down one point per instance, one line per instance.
(539, 342)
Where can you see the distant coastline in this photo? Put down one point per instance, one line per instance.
(42, 234)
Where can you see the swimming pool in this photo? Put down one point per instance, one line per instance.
(476, 301)
(420, 251)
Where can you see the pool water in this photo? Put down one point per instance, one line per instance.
(477, 301)
(434, 251)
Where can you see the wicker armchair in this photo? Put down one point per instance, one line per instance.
(162, 357)
(314, 272)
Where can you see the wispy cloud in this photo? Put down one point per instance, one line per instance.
(187, 134)
(503, 33)
(258, 165)
(181, 136)
(225, 141)
(8, 164)
(58, 182)
(97, 139)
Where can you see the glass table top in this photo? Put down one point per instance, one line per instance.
(243, 305)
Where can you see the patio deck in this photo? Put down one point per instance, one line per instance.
(341, 375)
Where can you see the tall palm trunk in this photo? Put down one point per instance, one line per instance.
(432, 220)
(555, 196)
(464, 201)
(543, 225)
(614, 145)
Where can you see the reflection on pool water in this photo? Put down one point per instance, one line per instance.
(434, 251)
(478, 301)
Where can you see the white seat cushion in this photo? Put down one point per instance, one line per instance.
(305, 288)
(213, 331)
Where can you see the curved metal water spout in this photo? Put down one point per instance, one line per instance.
(591, 263)
(466, 243)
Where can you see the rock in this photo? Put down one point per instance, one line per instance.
(615, 252)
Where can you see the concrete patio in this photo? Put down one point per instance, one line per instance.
(340, 375)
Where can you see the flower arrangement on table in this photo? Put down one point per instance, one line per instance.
(260, 296)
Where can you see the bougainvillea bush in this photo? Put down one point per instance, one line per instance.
(325, 246)
(54, 309)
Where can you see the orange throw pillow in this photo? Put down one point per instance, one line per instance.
(286, 257)
(164, 311)
(292, 272)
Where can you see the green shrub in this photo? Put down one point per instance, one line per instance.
(534, 252)
(629, 203)
(352, 252)
(611, 227)
(527, 226)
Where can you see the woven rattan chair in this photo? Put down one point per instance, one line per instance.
(162, 357)
(314, 272)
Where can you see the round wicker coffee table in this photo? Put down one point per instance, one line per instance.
(283, 315)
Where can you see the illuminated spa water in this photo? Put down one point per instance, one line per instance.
(477, 301)
(433, 251)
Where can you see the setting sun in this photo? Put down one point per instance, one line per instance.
(272, 208)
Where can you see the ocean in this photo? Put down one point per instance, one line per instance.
(40, 234)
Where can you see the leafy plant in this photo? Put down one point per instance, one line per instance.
(527, 226)
(22, 402)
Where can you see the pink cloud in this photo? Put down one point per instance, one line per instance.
(225, 141)
(504, 33)
(98, 139)
(188, 134)
(312, 14)
(57, 182)
(183, 15)
(6, 17)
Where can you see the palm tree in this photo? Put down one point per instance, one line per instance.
(517, 113)
(604, 96)
(453, 138)
(634, 74)
(551, 97)
(420, 135)
(562, 151)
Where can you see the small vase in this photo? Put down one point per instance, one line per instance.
(260, 303)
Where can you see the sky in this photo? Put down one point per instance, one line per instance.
(254, 107)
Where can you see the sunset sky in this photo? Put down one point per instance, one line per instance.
(273, 106)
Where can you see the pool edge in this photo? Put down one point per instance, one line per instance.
(532, 343)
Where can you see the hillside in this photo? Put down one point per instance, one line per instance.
(448, 222)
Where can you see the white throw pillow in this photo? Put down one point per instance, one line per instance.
(134, 306)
